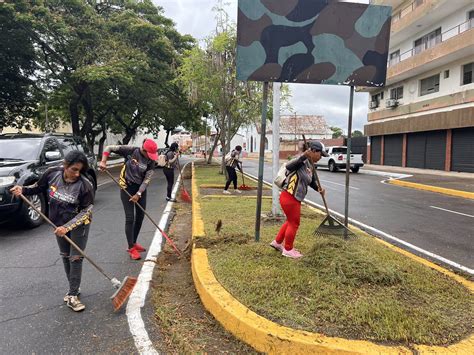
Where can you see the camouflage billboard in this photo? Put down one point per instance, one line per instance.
(312, 41)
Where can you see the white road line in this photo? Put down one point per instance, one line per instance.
(104, 183)
(382, 234)
(137, 299)
(336, 183)
(444, 209)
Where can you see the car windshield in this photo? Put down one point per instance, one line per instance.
(19, 149)
(339, 150)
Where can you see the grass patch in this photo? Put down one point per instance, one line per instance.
(209, 174)
(356, 289)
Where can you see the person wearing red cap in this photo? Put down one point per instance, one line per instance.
(134, 177)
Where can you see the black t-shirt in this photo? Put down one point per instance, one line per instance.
(70, 204)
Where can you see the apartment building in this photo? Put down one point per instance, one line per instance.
(424, 116)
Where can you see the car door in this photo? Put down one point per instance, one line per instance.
(51, 155)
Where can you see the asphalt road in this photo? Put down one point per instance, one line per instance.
(33, 317)
(425, 219)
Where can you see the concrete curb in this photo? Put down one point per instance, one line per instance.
(441, 190)
(269, 337)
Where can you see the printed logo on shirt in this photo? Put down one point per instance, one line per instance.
(137, 163)
(61, 195)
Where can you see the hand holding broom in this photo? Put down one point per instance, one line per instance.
(124, 288)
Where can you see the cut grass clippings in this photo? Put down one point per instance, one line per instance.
(355, 289)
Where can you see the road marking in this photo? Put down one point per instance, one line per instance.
(336, 183)
(382, 234)
(137, 299)
(104, 183)
(444, 209)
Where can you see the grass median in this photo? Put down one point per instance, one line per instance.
(356, 289)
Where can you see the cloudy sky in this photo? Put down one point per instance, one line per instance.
(195, 17)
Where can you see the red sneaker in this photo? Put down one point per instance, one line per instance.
(139, 248)
(134, 254)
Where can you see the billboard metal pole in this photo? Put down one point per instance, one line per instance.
(261, 161)
(348, 160)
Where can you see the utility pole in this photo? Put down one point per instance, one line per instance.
(276, 211)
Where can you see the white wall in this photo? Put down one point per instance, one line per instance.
(449, 86)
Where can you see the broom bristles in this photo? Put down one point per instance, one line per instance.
(123, 293)
(185, 195)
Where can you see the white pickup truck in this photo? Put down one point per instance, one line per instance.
(337, 159)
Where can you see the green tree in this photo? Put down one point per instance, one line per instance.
(336, 132)
(18, 94)
(357, 133)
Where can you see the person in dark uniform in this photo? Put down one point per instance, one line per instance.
(70, 200)
(232, 161)
(135, 176)
(172, 156)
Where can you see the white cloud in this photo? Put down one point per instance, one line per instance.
(195, 17)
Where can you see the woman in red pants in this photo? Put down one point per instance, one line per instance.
(301, 174)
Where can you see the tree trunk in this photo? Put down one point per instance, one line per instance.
(74, 113)
(214, 145)
(168, 131)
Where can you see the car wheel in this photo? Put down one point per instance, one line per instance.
(28, 215)
(355, 169)
(332, 166)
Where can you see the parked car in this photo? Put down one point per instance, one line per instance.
(23, 158)
(337, 159)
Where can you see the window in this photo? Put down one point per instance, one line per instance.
(395, 57)
(470, 18)
(67, 145)
(467, 73)
(377, 98)
(428, 41)
(396, 93)
(429, 85)
(446, 74)
(418, 2)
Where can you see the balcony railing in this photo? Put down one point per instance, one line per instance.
(406, 10)
(433, 42)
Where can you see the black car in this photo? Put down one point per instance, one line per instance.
(23, 158)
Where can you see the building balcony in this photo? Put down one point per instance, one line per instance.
(451, 45)
(412, 17)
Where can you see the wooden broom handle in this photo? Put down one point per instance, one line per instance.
(65, 237)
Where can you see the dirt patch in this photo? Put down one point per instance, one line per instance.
(216, 191)
(184, 323)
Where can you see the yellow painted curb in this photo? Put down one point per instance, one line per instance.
(262, 334)
(197, 222)
(272, 338)
(441, 190)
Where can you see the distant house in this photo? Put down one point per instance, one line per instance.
(292, 127)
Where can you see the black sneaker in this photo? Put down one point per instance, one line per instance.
(171, 199)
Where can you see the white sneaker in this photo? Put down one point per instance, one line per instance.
(225, 192)
(75, 304)
(238, 191)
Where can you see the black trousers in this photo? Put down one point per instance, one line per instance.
(232, 177)
(72, 259)
(133, 214)
(169, 173)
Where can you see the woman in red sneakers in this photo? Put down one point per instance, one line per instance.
(301, 174)
(135, 176)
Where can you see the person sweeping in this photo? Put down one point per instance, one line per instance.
(134, 177)
(232, 161)
(70, 199)
(172, 156)
(300, 175)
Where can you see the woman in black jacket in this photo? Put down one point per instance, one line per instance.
(70, 199)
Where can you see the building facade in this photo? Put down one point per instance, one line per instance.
(424, 116)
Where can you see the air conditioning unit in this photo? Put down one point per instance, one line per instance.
(391, 103)
(373, 104)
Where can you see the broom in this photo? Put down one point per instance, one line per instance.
(330, 225)
(146, 214)
(243, 186)
(184, 194)
(124, 288)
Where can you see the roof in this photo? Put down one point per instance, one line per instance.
(300, 124)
